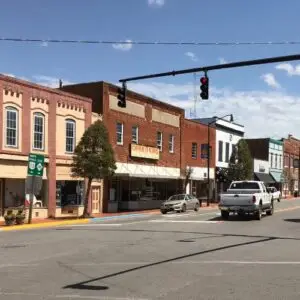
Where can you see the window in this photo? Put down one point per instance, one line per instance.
(227, 152)
(11, 127)
(135, 135)
(38, 131)
(280, 162)
(220, 151)
(171, 143)
(271, 160)
(275, 161)
(120, 129)
(159, 140)
(194, 150)
(70, 136)
(286, 161)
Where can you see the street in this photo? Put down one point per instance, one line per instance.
(176, 256)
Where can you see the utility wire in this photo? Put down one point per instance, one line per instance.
(128, 42)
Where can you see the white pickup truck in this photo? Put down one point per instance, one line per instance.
(275, 194)
(246, 197)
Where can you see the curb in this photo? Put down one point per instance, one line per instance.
(124, 216)
(44, 225)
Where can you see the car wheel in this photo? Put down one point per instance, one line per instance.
(271, 210)
(225, 214)
(196, 207)
(183, 208)
(163, 212)
(258, 214)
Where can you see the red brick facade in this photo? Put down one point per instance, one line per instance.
(195, 132)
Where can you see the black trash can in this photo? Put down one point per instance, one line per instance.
(296, 194)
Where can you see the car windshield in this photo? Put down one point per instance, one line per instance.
(176, 197)
(244, 185)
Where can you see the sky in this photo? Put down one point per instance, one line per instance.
(265, 99)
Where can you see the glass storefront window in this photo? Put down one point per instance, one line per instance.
(69, 192)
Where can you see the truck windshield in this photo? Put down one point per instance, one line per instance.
(244, 186)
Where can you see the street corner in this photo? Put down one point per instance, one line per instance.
(41, 225)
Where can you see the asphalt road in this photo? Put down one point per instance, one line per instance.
(178, 256)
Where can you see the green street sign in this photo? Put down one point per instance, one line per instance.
(35, 164)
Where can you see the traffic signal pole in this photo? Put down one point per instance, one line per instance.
(238, 64)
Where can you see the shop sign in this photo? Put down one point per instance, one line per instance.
(144, 151)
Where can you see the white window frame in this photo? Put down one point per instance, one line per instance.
(120, 133)
(41, 116)
(70, 121)
(194, 150)
(171, 143)
(14, 110)
(159, 140)
(135, 135)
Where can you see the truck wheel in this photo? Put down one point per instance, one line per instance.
(258, 214)
(163, 212)
(271, 210)
(225, 214)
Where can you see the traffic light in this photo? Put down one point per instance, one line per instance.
(122, 96)
(204, 87)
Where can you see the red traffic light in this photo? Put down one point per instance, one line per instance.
(203, 80)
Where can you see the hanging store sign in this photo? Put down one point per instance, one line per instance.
(144, 151)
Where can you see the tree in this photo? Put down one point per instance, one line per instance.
(187, 177)
(93, 158)
(240, 164)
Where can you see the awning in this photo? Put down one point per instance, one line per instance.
(277, 176)
(265, 177)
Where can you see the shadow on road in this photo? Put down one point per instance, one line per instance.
(292, 220)
(86, 284)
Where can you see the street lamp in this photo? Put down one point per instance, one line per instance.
(208, 152)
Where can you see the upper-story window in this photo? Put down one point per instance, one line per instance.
(120, 132)
(220, 151)
(159, 138)
(12, 120)
(70, 135)
(276, 161)
(194, 150)
(272, 163)
(171, 143)
(38, 131)
(227, 152)
(135, 135)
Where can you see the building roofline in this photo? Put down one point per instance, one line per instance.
(30, 84)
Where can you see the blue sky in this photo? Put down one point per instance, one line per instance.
(264, 96)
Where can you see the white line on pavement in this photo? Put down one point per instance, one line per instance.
(94, 225)
(238, 262)
(185, 221)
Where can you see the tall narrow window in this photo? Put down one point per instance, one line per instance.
(119, 131)
(135, 135)
(11, 127)
(272, 163)
(38, 131)
(194, 150)
(171, 143)
(159, 140)
(275, 165)
(70, 136)
(220, 151)
(227, 153)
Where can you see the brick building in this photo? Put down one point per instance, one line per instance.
(290, 166)
(41, 120)
(146, 138)
(194, 155)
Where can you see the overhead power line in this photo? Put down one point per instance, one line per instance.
(128, 42)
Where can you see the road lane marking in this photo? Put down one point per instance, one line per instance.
(96, 225)
(238, 262)
(184, 221)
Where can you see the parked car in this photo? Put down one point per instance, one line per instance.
(180, 203)
(275, 194)
(246, 197)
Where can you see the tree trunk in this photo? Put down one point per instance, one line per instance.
(86, 212)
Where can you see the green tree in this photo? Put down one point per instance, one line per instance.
(240, 164)
(93, 158)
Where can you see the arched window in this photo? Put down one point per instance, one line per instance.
(12, 126)
(70, 135)
(38, 131)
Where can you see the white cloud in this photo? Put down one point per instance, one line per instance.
(191, 55)
(158, 3)
(264, 114)
(222, 60)
(289, 68)
(49, 81)
(126, 46)
(270, 80)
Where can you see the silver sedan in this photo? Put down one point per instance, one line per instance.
(180, 203)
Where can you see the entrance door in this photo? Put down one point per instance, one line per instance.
(95, 199)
